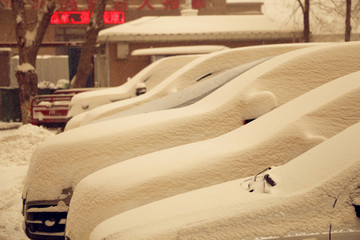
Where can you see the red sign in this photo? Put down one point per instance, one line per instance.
(83, 17)
(171, 4)
(146, 3)
(197, 4)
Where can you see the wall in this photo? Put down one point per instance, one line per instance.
(49, 69)
(244, 8)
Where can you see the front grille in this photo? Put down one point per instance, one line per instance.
(45, 220)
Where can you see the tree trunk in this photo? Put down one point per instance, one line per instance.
(29, 40)
(305, 8)
(86, 65)
(27, 79)
(348, 21)
(307, 21)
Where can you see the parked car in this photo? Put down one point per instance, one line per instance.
(142, 82)
(57, 108)
(62, 161)
(52, 109)
(271, 140)
(188, 95)
(197, 71)
(312, 196)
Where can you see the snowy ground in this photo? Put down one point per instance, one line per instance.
(17, 143)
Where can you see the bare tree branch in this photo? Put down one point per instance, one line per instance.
(301, 6)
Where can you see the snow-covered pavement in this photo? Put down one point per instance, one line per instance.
(16, 148)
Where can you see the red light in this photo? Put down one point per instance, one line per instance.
(83, 17)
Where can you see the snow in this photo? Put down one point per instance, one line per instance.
(200, 49)
(250, 95)
(60, 207)
(307, 188)
(25, 67)
(152, 75)
(312, 195)
(273, 139)
(18, 19)
(18, 143)
(9, 125)
(61, 83)
(2, 49)
(210, 27)
(188, 75)
(63, 160)
(30, 37)
(188, 95)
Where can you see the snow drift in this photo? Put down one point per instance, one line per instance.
(273, 139)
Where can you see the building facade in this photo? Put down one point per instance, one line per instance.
(67, 30)
(168, 31)
(69, 22)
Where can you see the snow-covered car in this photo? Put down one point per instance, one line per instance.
(62, 161)
(271, 140)
(142, 82)
(197, 71)
(314, 195)
(188, 95)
